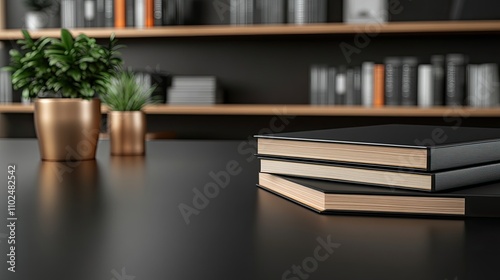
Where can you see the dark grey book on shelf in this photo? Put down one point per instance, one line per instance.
(409, 81)
(392, 81)
(455, 79)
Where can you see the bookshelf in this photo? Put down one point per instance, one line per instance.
(260, 65)
(399, 28)
(295, 110)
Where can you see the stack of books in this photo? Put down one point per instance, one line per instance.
(386, 169)
(194, 90)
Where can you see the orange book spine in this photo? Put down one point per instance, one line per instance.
(150, 13)
(120, 13)
(379, 85)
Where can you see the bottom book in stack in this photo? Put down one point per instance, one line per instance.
(330, 197)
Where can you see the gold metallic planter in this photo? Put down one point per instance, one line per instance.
(127, 133)
(67, 129)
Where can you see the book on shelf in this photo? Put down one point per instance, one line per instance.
(365, 11)
(149, 13)
(90, 13)
(341, 86)
(409, 67)
(271, 11)
(100, 13)
(120, 13)
(337, 197)
(307, 11)
(242, 12)
(392, 81)
(109, 13)
(367, 84)
(438, 80)
(140, 13)
(130, 13)
(378, 85)
(483, 85)
(430, 181)
(195, 90)
(332, 78)
(80, 13)
(68, 13)
(416, 147)
(425, 86)
(158, 12)
(455, 79)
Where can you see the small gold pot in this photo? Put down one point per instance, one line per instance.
(127, 132)
(67, 129)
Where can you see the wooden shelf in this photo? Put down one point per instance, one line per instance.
(295, 110)
(425, 27)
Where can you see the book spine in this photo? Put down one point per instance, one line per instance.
(68, 13)
(340, 87)
(409, 81)
(109, 13)
(158, 12)
(120, 10)
(140, 13)
(379, 85)
(472, 86)
(455, 80)
(392, 81)
(349, 95)
(100, 13)
(130, 13)
(332, 75)
(149, 13)
(313, 95)
(357, 86)
(438, 77)
(90, 13)
(80, 13)
(367, 84)
(425, 87)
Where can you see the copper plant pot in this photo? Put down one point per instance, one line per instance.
(127, 132)
(67, 129)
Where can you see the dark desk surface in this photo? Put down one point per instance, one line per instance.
(90, 221)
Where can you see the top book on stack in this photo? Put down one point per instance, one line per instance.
(414, 147)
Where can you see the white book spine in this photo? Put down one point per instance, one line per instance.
(140, 13)
(367, 90)
(425, 88)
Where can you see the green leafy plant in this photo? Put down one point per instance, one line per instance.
(126, 93)
(38, 5)
(67, 67)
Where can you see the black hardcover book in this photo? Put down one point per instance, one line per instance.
(438, 80)
(109, 13)
(418, 147)
(409, 81)
(329, 197)
(433, 181)
(130, 13)
(455, 80)
(392, 81)
(158, 12)
(100, 14)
